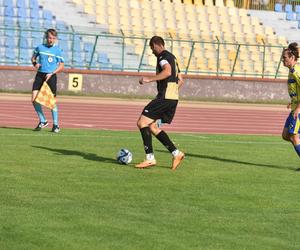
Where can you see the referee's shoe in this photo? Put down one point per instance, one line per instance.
(41, 125)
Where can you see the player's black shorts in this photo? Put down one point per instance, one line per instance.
(39, 80)
(163, 109)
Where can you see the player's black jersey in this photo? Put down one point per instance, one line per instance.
(167, 88)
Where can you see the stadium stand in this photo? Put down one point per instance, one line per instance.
(204, 37)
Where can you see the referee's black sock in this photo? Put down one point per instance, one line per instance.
(147, 139)
(165, 140)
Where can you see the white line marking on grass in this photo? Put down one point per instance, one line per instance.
(187, 140)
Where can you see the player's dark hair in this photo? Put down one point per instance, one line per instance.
(157, 40)
(53, 32)
(292, 50)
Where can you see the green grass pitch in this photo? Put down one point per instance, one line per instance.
(66, 191)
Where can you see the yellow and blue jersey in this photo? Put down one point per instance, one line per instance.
(294, 86)
(48, 57)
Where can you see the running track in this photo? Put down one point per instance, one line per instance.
(115, 114)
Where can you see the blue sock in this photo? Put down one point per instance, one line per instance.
(297, 148)
(39, 111)
(55, 115)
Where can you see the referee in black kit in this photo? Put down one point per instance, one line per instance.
(163, 107)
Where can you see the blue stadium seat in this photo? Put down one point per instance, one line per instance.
(36, 34)
(33, 4)
(298, 17)
(288, 8)
(25, 55)
(77, 44)
(78, 60)
(299, 25)
(23, 24)
(36, 42)
(35, 24)
(47, 15)
(24, 43)
(25, 34)
(278, 7)
(10, 32)
(63, 36)
(9, 11)
(10, 54)
(64, 45)
(8, 3)
(61, 26)
(47, 24)
(10, 42)
(8, 21)
(35, 13)
(290, 16)
(21, 13)
(103, 58)
(297, 9)
(21, 4)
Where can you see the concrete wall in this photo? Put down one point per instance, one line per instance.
(21, 79)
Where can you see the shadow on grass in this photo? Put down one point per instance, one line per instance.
(87, 156)
(16, 128)
(216, 158)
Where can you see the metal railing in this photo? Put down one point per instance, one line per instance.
(130, 53)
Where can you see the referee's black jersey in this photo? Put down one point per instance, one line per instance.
(167, 88)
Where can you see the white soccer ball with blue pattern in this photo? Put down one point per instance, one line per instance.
(124, 156)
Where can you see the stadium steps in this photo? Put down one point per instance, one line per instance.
(277, 20)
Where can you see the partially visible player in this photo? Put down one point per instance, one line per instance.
(291, 128)
(163, 107)
(48, 61)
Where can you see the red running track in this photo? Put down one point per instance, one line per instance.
(116, 114)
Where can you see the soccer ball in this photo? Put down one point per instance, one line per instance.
(124, 156)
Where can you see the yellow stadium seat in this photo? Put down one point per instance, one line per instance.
(208, 3)
(219, 3)
(198, 2)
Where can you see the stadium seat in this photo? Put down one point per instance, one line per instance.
(36, 42)
(21, 13)
(103, 58)
(8, 21)
(278, 7)
(47, 15)
(35, 13)
(290, 16)
(24, 43)
(47, 24)
(8, 11)
(8, 3)
(298, 17)
(35, 24)
(10, 42)
(288, 8)
(10, 54)
(61, 26)
(33, 4)
(297, 9)
(21, 4)
(24, 55)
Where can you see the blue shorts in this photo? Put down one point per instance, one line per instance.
(292, 125)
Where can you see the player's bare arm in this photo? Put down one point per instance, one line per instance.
(166, 72)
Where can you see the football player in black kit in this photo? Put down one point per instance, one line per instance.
(163, 107)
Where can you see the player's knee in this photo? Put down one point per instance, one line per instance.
(154, 129)
(294, 139)
(140, 124)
